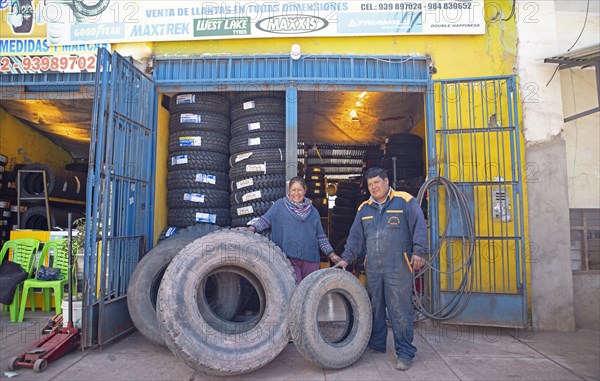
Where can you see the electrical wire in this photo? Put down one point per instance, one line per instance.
(587, 11)
(462, 293)
(512, 11)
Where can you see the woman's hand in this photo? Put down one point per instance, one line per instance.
(334, 258)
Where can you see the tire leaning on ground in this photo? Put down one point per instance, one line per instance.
(349, 343)
(147, 276)
(189, 330)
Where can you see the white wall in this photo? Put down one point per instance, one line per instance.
(548, 209)
(579, 93)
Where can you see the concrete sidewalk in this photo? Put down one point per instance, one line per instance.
(445, 352)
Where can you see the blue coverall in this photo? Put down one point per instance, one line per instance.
(391, 232)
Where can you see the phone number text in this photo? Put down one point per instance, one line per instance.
(37, 64)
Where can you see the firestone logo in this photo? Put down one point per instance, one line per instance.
(292, 24)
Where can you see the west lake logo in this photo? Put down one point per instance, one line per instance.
(222, 26)
(292, 24)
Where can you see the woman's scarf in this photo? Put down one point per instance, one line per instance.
(301, 210)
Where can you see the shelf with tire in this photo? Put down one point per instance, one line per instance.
(50, 193)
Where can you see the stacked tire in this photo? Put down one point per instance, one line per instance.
(371, 158)
(344, 211)
(257, 162)
(197, 182)
(403, 162)
(60, 183)
(316, 189)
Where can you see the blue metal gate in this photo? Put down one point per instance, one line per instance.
(474, 140)
(120, 193)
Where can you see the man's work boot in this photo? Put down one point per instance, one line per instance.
(402, 364)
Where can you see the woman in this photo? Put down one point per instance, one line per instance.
(296, 228)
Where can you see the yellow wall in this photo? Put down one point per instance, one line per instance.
(23, 145)
(160, 189)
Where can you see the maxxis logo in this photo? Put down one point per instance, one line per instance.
(292, 24)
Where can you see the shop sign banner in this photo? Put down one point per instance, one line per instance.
(150, 20)
(24, 47)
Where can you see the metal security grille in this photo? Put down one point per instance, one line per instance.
(474, 141)
(119, 211)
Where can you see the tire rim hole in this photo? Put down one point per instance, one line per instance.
(250, 304)
(335, 317)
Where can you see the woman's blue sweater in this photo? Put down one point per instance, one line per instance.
(298, 237)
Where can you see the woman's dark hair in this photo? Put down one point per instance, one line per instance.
(298, 180)
(374, 172)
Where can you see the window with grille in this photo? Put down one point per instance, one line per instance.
(585, 239)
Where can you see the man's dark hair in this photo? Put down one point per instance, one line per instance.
(374, 172)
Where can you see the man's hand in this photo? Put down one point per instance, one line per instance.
(417, 263)
(252, 229)
(335, 258)
(342, 264)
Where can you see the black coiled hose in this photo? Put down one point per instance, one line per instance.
(433, 309)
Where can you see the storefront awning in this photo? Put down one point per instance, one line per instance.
(580, 58)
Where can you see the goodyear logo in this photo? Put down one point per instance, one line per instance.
(292, 24)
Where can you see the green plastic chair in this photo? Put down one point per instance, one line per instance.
(60, 247)
(23, 253)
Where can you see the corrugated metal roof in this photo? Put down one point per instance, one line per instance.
(582, 58)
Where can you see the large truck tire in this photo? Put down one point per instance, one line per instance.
(148, 273)
(257, 156)
(247, 209)
(257, 194)
(257, 106)
(182, 217)
(201, 121)
(199, 161)
(259, 182)
(198, 198)
(263, 123)
(242, 171)
(227, 348)
(349, 345)
(195, 102)
(256, 141)
(202, 141)
(190, 179)
(254, 91)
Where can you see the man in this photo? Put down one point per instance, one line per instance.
(391, 226)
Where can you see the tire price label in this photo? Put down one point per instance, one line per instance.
(193, 197)
(190, 141)
(245, 210)
(48, 64)
(244, 183)
(251, 196)
(206, 217)
(207, 179)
